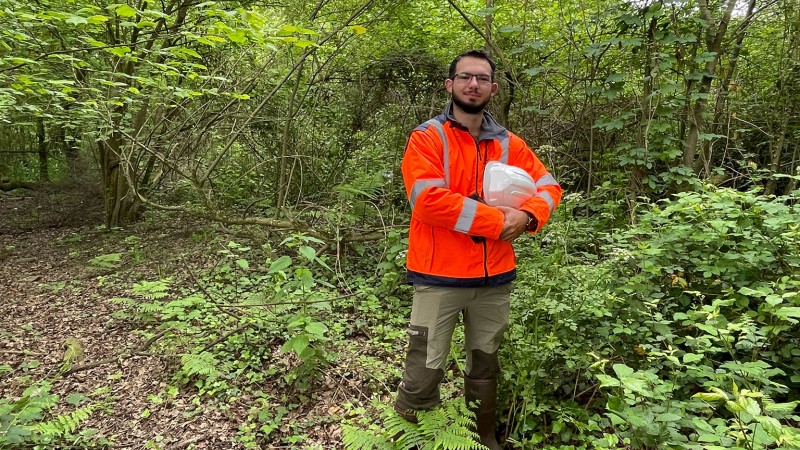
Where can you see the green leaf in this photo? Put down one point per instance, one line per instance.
(119, 51)
(309, 253)
(75, 399)
(303, 43)
(125, 11)
(771, 426)
(710, 396)
(622, 370)
(634, 384)
(781, 410)
(708, 437)
(243, 263)
(280, 264)
(692, 358)
(316, 328)
(606, 381)
(296, 344)
(238, 37)
(763, 292)
(357, 29)
(668, 417)
(16, 434)
(77, 20)
(788, 313)
(734, 407)
(750, 406)
(191, 52)
(305, 277)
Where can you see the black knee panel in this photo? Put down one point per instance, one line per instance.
(420, 386)
(484, 365)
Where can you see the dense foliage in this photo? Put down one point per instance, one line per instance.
(658, 309)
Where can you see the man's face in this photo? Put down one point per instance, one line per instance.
(470, 90)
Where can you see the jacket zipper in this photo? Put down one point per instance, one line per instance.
(477, 173)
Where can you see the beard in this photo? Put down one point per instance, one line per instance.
(469, 108)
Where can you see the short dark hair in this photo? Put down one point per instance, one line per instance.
(479, 54)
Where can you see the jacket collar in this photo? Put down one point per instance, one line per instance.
(490, 127)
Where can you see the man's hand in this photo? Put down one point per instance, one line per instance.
(514, 224)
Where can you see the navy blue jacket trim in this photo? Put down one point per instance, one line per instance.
(434, 280)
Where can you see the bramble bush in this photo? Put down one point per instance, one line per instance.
(680, 333)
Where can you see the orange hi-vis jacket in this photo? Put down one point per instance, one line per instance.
(443, 174)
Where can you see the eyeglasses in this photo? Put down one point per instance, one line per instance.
(466, 77)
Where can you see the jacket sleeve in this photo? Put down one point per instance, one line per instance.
(432, 202)
(548, 191)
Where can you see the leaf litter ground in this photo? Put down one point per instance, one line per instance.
(51, 296)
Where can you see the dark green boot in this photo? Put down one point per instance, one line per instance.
(484, 392)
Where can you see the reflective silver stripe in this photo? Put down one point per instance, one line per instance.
(420, 186)
(549, 199)
(446, 151)
(467, 216)
(504, 146)
(546, 180)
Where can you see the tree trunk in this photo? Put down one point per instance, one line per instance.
(795, 171)
(69, 147)
(10, 185)
(44, 170)
(788, 106)
(283, 179)
(121, 206)
(714, 39)
(725, 86)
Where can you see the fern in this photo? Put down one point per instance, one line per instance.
(201, 364)
(22, 425)
(354, 438)
(449, 427)
(62, 425)
(109, 261)
(152, 290)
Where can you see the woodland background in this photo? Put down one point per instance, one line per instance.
(202, 221)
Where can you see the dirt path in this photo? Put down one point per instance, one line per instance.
(52, 295)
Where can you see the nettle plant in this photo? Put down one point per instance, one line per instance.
(713, 276)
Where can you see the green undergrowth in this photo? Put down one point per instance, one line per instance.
(41, 419)
(680, 332)
(271, 328)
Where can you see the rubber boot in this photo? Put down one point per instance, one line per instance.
(484, 392)
(407, 414)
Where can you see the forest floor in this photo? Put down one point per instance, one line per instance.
(56, 295)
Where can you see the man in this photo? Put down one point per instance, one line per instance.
(460, 256)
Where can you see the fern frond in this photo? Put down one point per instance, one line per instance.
(447, 427)
(152, 290)
(371, 439)
(407, 435)
(150, 307)
(62, 425)
(202, 364)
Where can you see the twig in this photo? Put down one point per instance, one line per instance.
(20, 352)
(187, 442)
(306, 302)
(120, 357)
(225, 336)
(205, 292)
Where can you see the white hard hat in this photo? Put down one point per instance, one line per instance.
(505, 185)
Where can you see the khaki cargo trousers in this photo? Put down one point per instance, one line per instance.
(434, 315)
